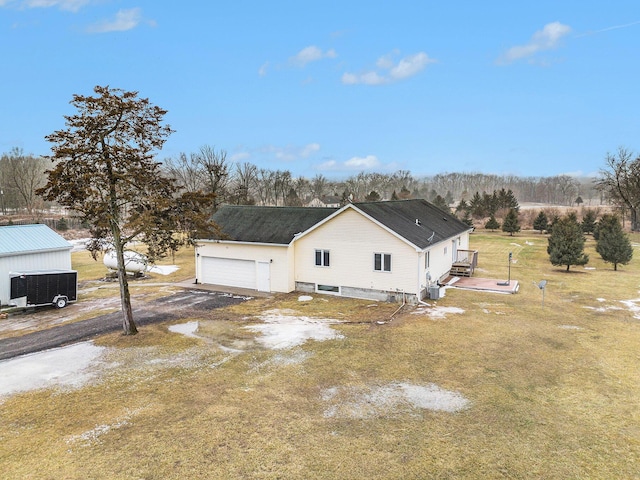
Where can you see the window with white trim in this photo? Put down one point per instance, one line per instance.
(426, 259)
(322, 258)
(382, 262)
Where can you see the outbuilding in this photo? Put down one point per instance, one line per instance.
(29, 248)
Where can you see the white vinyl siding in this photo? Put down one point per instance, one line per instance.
(352, 238)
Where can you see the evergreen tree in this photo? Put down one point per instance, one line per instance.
(492, 224)
(589, 221)
(346, 198)
(477, 207)
(373, 196)
(441, 203)
(62, 225)
(555, 219)
(405, 193)
(510, 224)
(466, 219)
(394, 195)
(292, 199)
(463, 206)
(613, 244)
(541, 222)
(566, 243)
(449, 197)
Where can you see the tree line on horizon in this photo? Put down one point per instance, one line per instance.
(243, 183)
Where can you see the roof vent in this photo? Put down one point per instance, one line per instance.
(417, 222)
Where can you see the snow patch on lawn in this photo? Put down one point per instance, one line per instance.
(188, 329)
(305, 298)
(163, 269)
(63, 367)
(281, 330)
(633, 306)
(381, 401)
(92, 437)
(437, 312)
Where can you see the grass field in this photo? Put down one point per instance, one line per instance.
(547, 391)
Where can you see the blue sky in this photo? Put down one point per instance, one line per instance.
(529, 88)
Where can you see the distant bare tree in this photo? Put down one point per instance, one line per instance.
(620, 180)
(319, 185)
(186, 170)
(242, 183)
(215, 169)
(23, 174)
(265, 186)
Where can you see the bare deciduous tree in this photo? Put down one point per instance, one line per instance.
(620, 180)
(22, 175)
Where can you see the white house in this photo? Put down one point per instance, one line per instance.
(29, 248)
(376, 250)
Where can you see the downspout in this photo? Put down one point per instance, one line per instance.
(400, 307)
(420, 302)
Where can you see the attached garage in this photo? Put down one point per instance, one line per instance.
(255, 250)
(229, 271)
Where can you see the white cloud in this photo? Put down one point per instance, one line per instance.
(69, 5)
(607, 29)
(240, 157)
(124, 20)
(356, 164)
(370, 161)
(390, 71)
(290, 153)
(262, 71)
(546, 39)
(311, 54)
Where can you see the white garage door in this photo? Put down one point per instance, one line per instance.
(229, 271)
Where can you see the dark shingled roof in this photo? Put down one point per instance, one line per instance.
(401, 215)
(279, 225)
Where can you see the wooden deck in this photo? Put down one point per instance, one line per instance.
(465, 264)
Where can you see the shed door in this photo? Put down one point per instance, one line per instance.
(229, 271)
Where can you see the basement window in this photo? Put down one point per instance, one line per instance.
(328, 289)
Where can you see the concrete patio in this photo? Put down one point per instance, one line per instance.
(494, 285)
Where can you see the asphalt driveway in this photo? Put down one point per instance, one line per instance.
(170, 307)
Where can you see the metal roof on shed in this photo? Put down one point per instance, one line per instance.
(23, 239)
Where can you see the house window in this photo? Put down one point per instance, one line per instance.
(328, 289)
(322, 258)
(382, 262)
(426, 259)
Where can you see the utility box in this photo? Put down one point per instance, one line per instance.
(434, 292)
(44, 287)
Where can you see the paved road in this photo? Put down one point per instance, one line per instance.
(160, 310)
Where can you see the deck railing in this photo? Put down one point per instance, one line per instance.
(467, 258)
